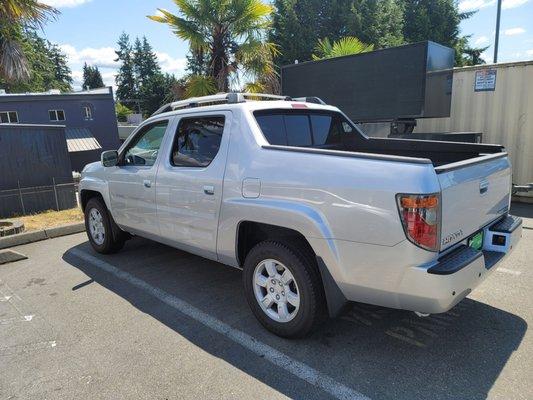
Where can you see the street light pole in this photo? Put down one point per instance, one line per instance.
(497, 34)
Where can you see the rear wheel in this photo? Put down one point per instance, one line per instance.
(283, 289)
(98, 226)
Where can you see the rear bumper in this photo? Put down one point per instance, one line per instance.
(438, 287)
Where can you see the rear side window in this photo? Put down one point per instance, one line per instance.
(303, 129)
(273, 128)
(197, 141)
(298, 130)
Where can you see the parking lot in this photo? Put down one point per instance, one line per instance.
(154, 322)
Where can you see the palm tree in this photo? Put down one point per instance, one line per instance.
(15, 16)
(343, 47)
(231, 33)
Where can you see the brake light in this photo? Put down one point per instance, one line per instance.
(420, 215)
(298, 105)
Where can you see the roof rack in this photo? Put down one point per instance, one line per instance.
(229, 98)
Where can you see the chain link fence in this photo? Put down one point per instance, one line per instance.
(61, 194)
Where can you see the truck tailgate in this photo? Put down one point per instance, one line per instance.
(474, 193)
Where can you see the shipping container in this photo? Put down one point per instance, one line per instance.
(496, 100)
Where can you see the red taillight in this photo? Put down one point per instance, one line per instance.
(420, 215)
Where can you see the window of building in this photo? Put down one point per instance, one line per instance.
(9, 117)
(197, 141)
(87, 113)
(56, 115)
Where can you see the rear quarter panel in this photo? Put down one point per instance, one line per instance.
(321, 196)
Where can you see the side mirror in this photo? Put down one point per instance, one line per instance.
(109, 158)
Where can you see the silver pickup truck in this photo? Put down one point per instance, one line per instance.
(313, 211)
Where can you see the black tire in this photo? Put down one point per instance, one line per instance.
(111, 242)
(301, 264)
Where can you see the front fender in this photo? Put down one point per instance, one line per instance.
(98, 185)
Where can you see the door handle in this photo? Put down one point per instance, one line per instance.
(147, 183)
(209, 189)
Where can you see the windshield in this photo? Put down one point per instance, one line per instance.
(304, 128)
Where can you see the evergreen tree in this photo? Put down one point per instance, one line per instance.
(197, 62)
(92, 79)
(62, 72)
(298, 25)
(377, 22)
(295, 29)
(156, 91)
(140, 80)
(438, 21)
(145, 63)
(46, 64)
(137, 58)
(125, 79)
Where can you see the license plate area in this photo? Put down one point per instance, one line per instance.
(476, 240)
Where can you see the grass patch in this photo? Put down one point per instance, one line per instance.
(51, 218)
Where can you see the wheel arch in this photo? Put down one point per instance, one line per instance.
(86, 195)
(250, 233)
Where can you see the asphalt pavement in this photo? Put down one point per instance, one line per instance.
(153, 322)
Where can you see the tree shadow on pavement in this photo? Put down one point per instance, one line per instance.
(381, 353)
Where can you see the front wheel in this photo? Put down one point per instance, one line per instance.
(284, 289)
(98, 226)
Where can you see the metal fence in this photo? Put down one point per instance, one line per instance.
(61, 194)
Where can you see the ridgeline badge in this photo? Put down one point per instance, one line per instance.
(451, 237)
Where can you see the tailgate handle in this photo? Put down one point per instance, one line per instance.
(483, 186)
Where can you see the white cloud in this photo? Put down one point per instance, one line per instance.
(471, 5)
(486, 56)
(65, 3)
(513, 3)
(170, 64)
(481, 40)
(104, 59)
(529, 52)
(514, 31)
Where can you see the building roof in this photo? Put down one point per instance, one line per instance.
(55, 94)
(80, 139)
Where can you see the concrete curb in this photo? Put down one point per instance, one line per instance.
(35, 236)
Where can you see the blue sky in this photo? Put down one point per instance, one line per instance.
(87, 31)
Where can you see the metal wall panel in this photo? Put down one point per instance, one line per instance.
(32, 159)
(504, 116)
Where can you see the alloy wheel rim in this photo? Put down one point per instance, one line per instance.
(276, 290)
(96, 226)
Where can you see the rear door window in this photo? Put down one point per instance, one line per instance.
(303, 129)
(197, 141)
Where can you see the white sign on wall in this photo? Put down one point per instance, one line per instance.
(485, 80)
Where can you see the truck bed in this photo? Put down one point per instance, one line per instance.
(440, 153)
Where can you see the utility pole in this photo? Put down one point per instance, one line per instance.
(497, 34)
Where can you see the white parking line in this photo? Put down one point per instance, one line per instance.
(297, 368)
(509, 271)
